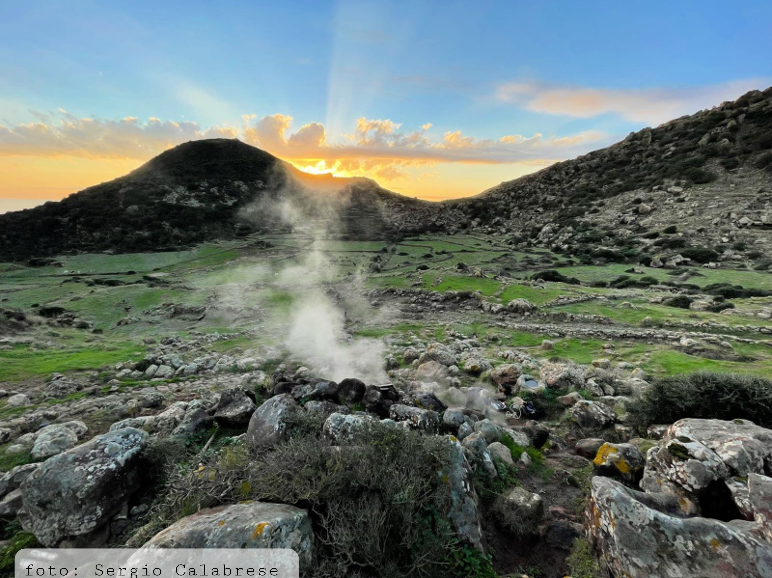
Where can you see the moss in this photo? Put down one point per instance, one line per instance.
(582, 562)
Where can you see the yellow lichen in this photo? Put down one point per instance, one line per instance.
(603, 454)
(259, 529)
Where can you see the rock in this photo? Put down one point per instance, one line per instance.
(151, 371)
(475, 364)
(410, 354)
(523, 504)
(164, 372)
(506, 377)
(700, 460)
(490, 431)
(464, 514)
(537, 433)
(439, 353)
(91, 483)
(547, 345)
(268, 424)
(562, 376)
(500, 451)
(13, 479)
(592, 415)
(375, 402)
(642, 535)
(196, 419)
(476, 449)
(588, 447)
(53, 440)
(520, 307)
(18, 400)
(601, 363)
(657, 431)
(234, 409)
(325, 407)
(424, 420)
(351, 390)
(621, 461)
(11, 504)
(340, 427)
(570, 399)
(431, 371)
(525, 460)
(246, 525)
(326, 391)
(453, 418)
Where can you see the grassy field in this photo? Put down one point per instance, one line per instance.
(269, 279)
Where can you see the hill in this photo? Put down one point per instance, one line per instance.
(700, 185)
(199, 191)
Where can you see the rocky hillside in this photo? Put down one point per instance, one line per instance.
(700, 185)
(202, 190)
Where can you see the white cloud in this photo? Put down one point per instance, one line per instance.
(649, 105)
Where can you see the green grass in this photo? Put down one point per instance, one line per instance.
(533, 294)
(19, 364)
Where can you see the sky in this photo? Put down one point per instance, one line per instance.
(434, 100)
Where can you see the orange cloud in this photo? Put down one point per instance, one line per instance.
(651, 105)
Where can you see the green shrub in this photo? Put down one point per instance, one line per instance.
(378, 504)
(679, 301)
(670, 230)
(700, 254)
(705, 395)
(555, 277)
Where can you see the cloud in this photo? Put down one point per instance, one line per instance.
(649, 105)
(62, 133)
(377, 147)
(383, 142)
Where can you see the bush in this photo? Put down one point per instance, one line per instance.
(379, 506)
(705, 395)
(679, 301)
(513, 521)
(671, 230)
(555, 277)
(700, 254)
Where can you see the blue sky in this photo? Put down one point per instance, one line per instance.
(580, 75)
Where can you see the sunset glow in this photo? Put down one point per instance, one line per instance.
(359, 92)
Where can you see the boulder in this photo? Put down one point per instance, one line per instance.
(53, 440)
(706, 463)
(18, 400)
(269, 422)
(91, 482)
(524, 504)
(476, 450)
(339, 427)
(424, 420)
(592, 415)
(562, 376)
(12, 479)
(501, 452)
(621, 461)
(246, 525)
(588, 447)
(570, 399)
(506, 377)
(351, 390)
(234, 409)
(464, 514)
(520, 307)
(439, 353)
(641, 535)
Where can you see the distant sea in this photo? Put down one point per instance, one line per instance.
(7, 205)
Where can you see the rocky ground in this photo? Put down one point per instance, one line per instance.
(323, 391)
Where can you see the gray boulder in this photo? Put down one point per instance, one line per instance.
(91, 483)
(424, 420)
(464, 514)
(53, 440)
(234, 409)
(642, 535)
(341, 427)
(269, 422)
(249, 525)
(592, 415)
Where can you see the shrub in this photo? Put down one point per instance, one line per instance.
(379, 506)
(700, 254)
(555, 277)
(513, 521)
(671, 230)
(705, 395)
(679, 301)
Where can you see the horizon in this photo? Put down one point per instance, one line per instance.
(355, 89)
